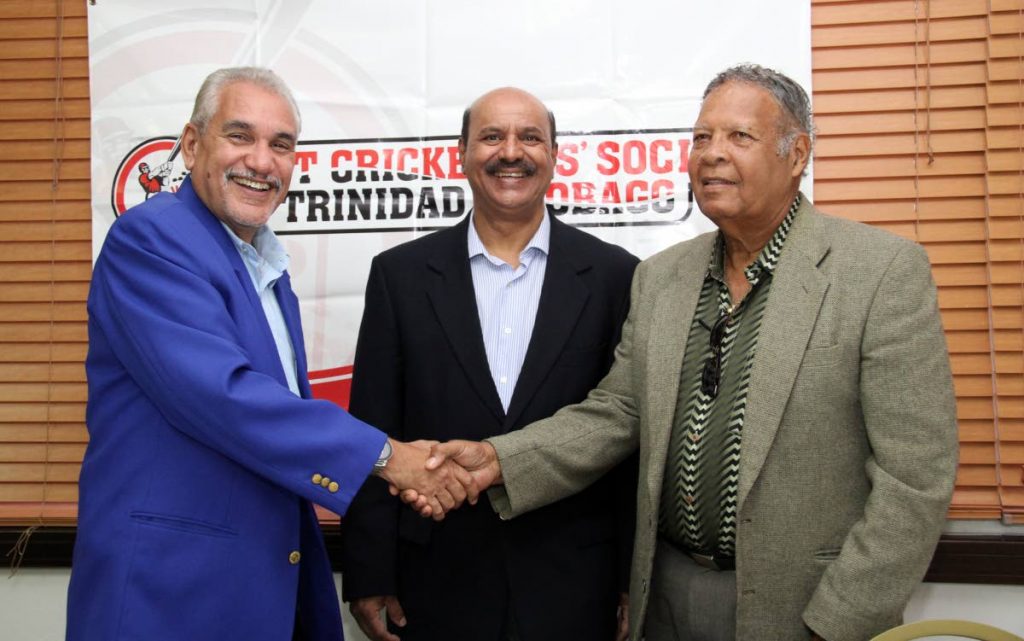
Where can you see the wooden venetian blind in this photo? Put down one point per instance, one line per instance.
(1004, 181)
(45, 256)
(918, 105)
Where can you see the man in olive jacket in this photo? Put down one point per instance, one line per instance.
(787, 383)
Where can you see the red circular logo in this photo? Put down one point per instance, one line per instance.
(148, 169)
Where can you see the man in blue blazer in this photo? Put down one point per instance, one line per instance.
(205, 446)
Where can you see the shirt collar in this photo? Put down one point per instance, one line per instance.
(541, 241)
(266, 251)
(270, 248)
(767, 259)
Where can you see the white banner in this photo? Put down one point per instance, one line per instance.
(382, 86)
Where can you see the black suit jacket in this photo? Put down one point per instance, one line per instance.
(421, 372)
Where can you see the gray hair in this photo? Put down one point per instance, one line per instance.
(208, 98)
(789, 95)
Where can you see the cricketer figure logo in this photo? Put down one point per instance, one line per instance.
(151, 167)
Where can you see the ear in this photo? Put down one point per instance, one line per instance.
(800, 154)
(189, 143)
(462, 150)
(554, 152)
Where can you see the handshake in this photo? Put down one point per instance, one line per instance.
(434, 478)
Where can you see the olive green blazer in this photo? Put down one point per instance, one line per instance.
(849, 442)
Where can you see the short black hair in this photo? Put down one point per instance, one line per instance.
(464, 136)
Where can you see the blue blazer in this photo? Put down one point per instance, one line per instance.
(194, 519)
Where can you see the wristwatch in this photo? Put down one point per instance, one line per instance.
(382, 460)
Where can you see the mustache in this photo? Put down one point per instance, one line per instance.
(524, 166)
(275, 183)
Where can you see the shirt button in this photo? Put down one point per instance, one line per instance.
(503, 380)
(508, 330)
(294, 557)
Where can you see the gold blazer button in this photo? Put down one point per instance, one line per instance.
(294, 557)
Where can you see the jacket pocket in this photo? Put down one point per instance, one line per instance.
(818, 357)
(181, 524)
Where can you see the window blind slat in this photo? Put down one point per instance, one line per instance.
(857, 35)
(900, 121)
(44, 48)
(879, 78)
(40, 230)
(37, 9)
(900, 55)
(842, 102)
(33, 28)
(900, 166)
(892, 11)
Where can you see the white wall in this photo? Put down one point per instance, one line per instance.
(32, 605)
(998, 605)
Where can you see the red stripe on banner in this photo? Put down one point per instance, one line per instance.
(333, 384)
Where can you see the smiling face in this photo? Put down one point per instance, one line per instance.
(737, 174)
(508, 155)
(242, 162)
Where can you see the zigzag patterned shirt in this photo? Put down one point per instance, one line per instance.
(698, 503)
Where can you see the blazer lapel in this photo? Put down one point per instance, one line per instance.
(562, 299)
(797, 291)
(216, 230)
(674, 304)
(289, 304)
(450, 290)
(213, 225)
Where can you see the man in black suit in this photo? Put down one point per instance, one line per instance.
(472, 332)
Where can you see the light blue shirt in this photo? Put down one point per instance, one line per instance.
(507, 301)
(266, 261)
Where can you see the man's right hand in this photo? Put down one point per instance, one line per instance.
(441, 487)
(367, 614)
(478, 458)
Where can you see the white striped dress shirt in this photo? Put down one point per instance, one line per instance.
(507, 301)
